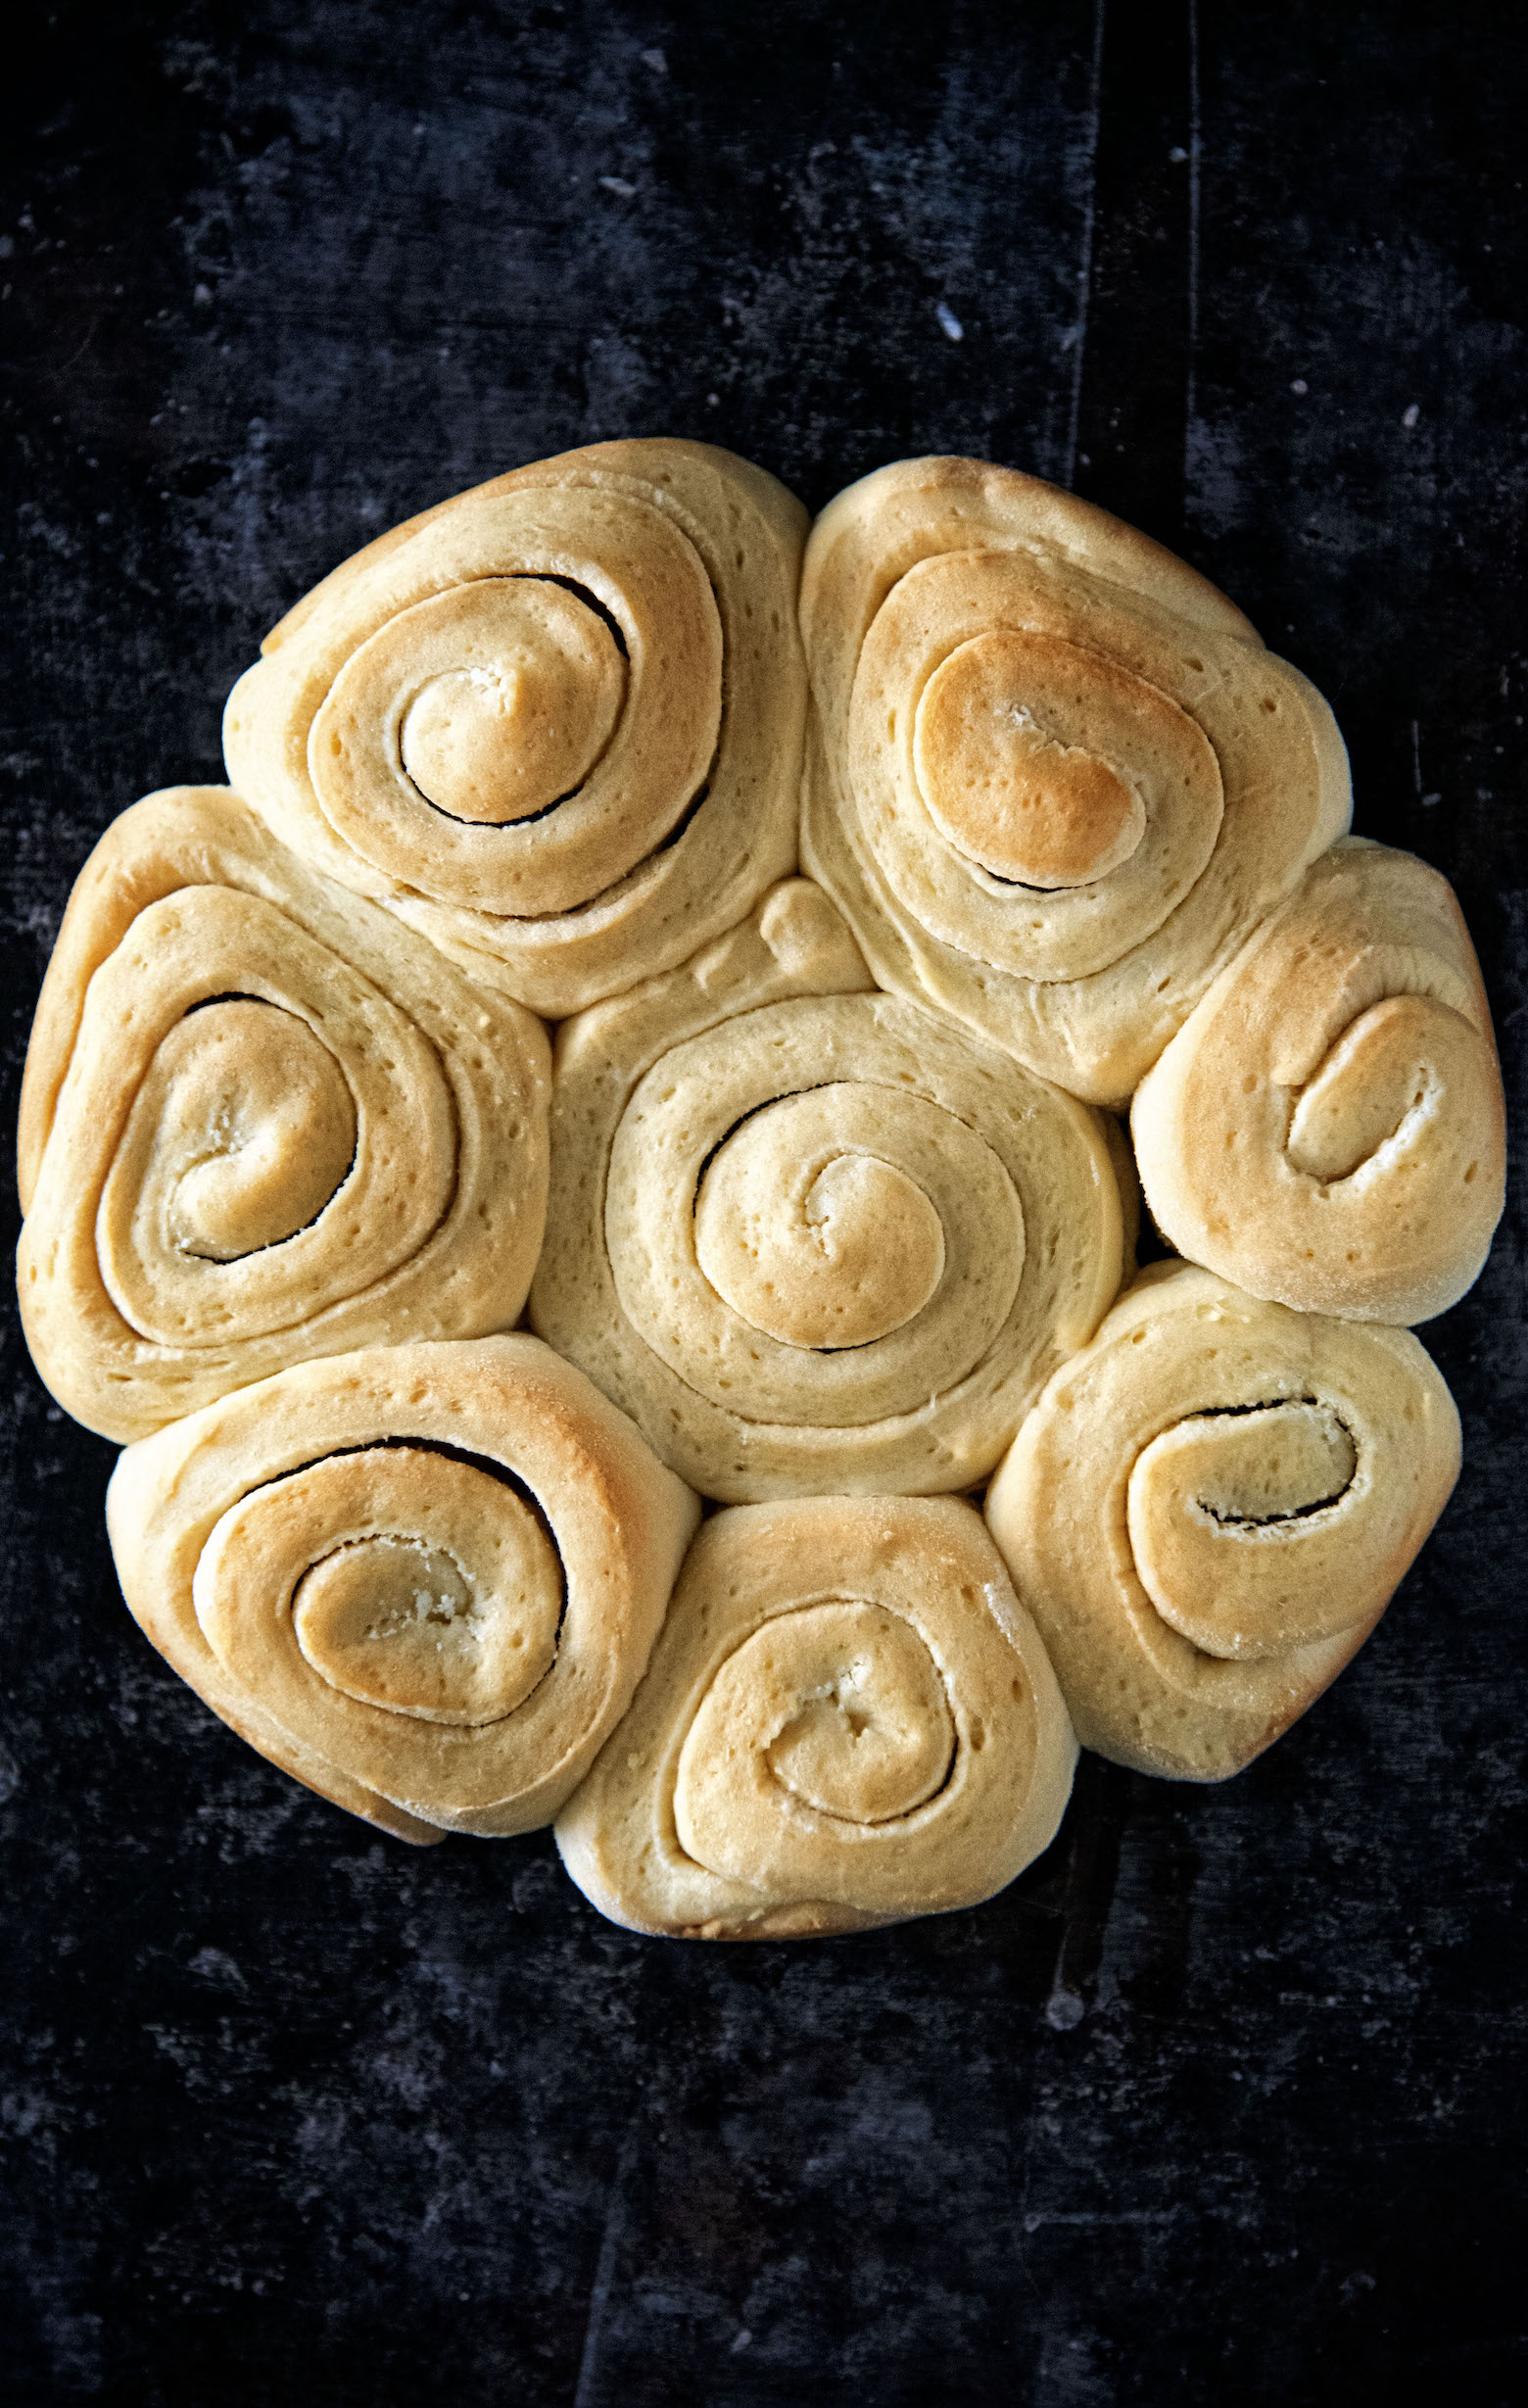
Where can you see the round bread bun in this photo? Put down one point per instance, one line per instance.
(261, 1121)
(849, 1720)
(811, 1238)
(555, 723)
(1327, 1127)
(423, 1580)
(1209, 1510)
(1055, 778)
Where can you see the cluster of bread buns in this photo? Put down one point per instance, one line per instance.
(873, 873)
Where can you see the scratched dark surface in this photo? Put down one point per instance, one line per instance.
(1223, 2102)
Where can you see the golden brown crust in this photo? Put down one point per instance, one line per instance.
(338, 1565)
(1328, 1129)
(261, 1121)
(1054, 778)
(848, 1721)
(617, 627)
(1209, 1510)
(811, 1238)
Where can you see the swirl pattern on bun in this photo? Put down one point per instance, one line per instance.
(1209, 1510)
(1055, 778)
(1328, 1129)
(261, 1122)
(811, 1238)
(849, 1720)
(423, 1580)
(555, 723)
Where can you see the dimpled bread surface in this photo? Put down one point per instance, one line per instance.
(426, 1579)
(259, 1122)
(1054, 778)
(849, 1720)
(555, 723)
(1328, 1128)
(811, 1236)
(818, 1200)
(1209, 1510)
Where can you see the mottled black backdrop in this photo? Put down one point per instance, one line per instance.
(1222, 2103)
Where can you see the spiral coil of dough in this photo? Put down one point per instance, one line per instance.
(261, 1122)
(809, 1236)
(849, 1720)
(1209, 1510)
(1054, 778)
(1328, 1129)
(555, 723)
(424, 1579)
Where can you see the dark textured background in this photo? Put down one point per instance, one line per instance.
(1223, 2103)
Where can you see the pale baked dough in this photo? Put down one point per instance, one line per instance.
(261, 1121)
(849, 1720)
(812, 1238)
(1209, 1510)
(555, 723)
(1054, 778)
(811, 1235)
(1327, 1127)
(423, 1580)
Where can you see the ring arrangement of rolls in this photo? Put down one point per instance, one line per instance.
(598, 1184)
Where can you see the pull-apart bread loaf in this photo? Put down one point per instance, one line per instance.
(849, 1720)
(1209, 1510)
(1327, 1127)
(812, 1238)
(823, 1192)
(1055, 778)
(555, 723)
(423, 1580)
(261, 1122)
